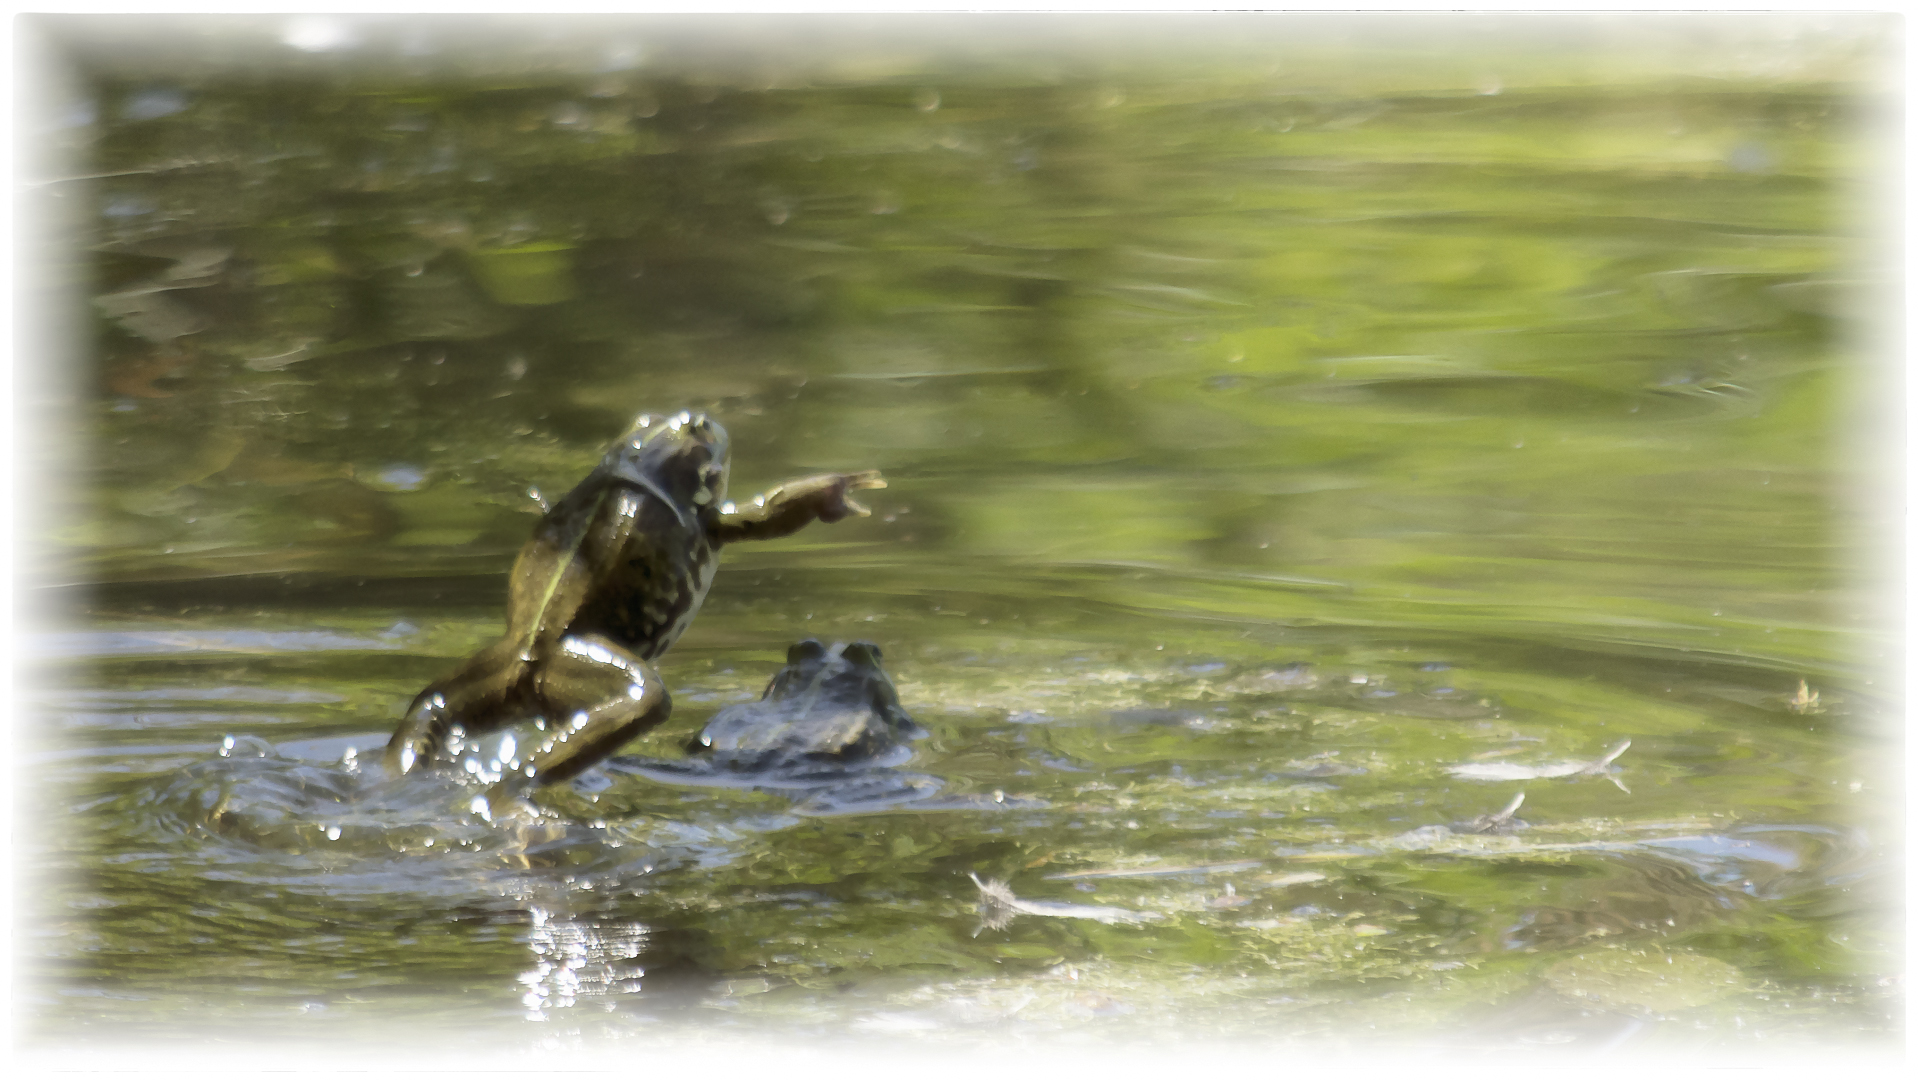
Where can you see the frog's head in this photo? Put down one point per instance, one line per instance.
(847, 671)
(811, 656)
(681, 459)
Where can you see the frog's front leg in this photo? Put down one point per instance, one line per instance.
(793, 505)
(596, 696)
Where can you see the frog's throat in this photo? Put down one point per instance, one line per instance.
(651, 487)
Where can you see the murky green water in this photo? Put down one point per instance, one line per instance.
(1297, 452)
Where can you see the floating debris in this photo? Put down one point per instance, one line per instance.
(1158, 871)
(1499, 822)
(1500, 770)
(997, 906)
(1805, 701)
(1230, 898)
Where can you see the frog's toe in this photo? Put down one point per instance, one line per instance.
(859, 481)
(506, 801)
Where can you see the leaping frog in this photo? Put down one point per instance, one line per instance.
(612, 576)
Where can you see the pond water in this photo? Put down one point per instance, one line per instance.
(1300, 447)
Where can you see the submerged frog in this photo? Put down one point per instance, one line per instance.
(827, 728)
(612, 575)
(825, 708)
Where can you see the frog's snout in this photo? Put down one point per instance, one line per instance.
(684, 423)
(697, 424)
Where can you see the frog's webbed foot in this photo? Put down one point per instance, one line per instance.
(420, 734)
(596, 697)
(840, 503)
(506, 802)
(795, 504)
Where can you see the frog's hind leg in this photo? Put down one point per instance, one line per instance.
(596, 697)
(477, 698)
(420, 734)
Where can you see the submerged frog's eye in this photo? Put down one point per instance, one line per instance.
(809, 649)
(863, 653)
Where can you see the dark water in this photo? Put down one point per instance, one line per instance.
(1291, 462)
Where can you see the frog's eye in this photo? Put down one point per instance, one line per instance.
(809, 649)
(863, 653)
(639, 430)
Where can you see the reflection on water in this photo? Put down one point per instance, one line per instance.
(1370, 542)
(575, 959)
